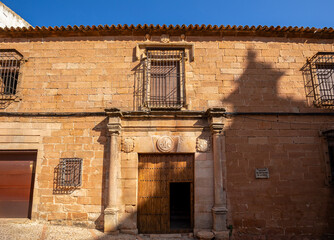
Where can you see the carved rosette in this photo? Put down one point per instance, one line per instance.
(165, 144)
(203, 144)
(128, 145)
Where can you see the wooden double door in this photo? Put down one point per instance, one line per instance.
(165, 193)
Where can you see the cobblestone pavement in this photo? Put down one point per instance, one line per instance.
(30, 230)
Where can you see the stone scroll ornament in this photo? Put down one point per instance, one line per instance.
(203, 144)
(165, 144)
(128, 145)
(165, 38)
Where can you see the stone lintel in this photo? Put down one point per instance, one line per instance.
(116, 116)
(113, 112)
(163, 114)
(140, 48)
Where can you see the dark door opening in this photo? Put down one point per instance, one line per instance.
(180, 205)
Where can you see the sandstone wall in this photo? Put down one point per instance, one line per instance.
(90, 74)
(237, 73)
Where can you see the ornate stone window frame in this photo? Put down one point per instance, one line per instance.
(181, 52)
(188, 47)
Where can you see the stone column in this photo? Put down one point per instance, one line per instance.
(110, 213)
(219, 210)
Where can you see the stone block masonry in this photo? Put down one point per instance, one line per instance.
(84, 75)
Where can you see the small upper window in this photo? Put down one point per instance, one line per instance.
(319, 79)
(10, 62)
(164, 79)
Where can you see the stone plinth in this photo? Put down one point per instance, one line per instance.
(111, 221)
(205, 235)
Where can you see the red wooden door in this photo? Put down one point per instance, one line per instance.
(16, 183)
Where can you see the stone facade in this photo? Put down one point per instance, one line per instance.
(245, 97)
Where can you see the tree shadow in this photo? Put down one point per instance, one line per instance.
(273, 207)
(257, 89)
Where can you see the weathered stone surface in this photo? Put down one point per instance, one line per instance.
(222, 235)
(203, 144)
(205, 235)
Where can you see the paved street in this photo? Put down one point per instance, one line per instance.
(30, 230)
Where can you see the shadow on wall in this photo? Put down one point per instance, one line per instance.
(138, 91)
(293, 202)
(105, 141)
(257, 90)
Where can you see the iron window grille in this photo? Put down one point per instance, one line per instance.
(319, 79)
(164, 79)
(68, 173)
(10, 62)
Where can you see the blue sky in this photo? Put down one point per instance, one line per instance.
(307, 13)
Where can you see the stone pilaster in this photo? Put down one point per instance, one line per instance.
(219, 210)
(110, 213)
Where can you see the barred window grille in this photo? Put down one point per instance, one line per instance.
(319, 79)
(10, 62)
(69, 173)
(164, 79)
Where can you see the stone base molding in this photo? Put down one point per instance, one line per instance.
(222, 235)
(205, 235)
(219, 215)
(129, 231)
(111, 220)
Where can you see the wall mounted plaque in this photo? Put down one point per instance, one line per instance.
(261, 173)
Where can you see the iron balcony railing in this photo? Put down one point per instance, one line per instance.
(164, 79)
(319, 79)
